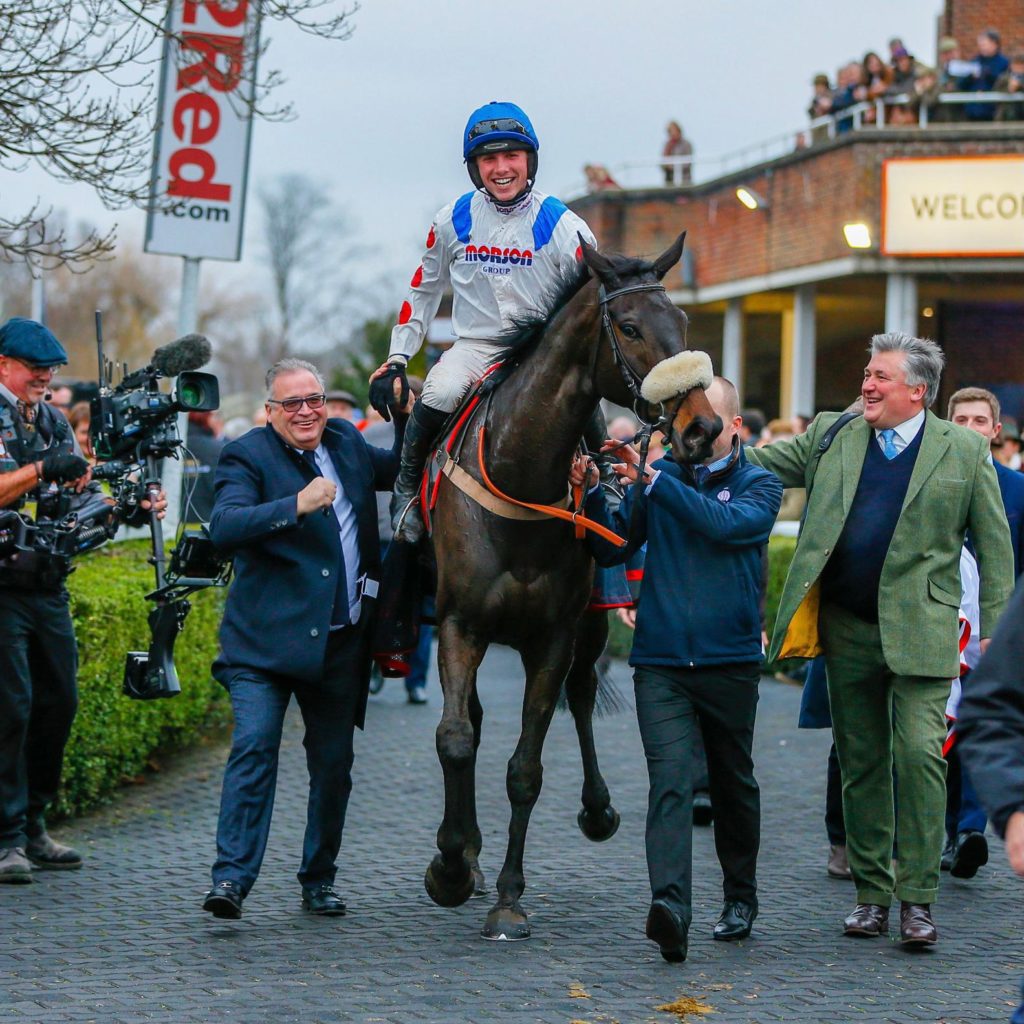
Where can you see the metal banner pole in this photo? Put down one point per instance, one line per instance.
(172, 470)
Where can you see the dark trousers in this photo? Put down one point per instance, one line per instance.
(38, 700)
(672, 705)
(328, 711)
(964, 812)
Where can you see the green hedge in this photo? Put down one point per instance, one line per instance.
(780, 554)
(113, 736)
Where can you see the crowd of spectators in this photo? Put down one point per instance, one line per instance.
(906, 85)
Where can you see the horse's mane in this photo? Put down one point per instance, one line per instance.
(523, 337)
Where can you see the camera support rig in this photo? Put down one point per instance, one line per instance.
(136, 422)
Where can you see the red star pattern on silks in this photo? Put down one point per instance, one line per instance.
(417, 278)
(431, 238)
(579, 253)
(405, 313)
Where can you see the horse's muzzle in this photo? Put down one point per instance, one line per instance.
(693, 442)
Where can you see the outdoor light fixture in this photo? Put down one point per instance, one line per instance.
(858, 235)
(927, 311)
(751, 199)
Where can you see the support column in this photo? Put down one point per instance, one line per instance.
(901, 303)
(797, 355)
(732, 344)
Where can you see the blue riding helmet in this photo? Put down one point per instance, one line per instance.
(495, 127)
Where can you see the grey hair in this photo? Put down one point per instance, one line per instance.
(923, 360)
(283, 366)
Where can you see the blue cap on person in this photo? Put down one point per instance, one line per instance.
(31, 342)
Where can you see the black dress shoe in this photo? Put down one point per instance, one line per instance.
(970, 852)
(868, 920)
(665, 928)
(323, 900)
(225, 900)
(947, 855)
(735, 922)
(702, 811)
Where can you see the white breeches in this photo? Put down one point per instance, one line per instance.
(454, 373)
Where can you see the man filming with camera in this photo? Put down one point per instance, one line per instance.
(40, 461)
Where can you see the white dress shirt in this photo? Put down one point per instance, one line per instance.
(905, 432)
(348, 532)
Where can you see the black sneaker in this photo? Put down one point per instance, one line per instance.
(225, 900)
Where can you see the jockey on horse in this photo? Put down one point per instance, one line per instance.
(504, 249)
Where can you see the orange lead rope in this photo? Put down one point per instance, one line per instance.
(579, 521)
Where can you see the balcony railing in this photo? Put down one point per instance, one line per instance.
(649, 173)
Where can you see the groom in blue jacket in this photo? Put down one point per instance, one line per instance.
(295, 507)
(697, 658)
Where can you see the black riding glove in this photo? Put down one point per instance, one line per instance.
(62, 469)
(382, 390)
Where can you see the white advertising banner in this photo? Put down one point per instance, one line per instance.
(953, 206)
(204, 123)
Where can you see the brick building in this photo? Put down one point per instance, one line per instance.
(785, 304)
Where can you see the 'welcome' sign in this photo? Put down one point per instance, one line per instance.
(953, 206)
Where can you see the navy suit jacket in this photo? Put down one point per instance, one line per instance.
(278, 612)
(1011, 487)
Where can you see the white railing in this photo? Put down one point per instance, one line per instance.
(648, 173)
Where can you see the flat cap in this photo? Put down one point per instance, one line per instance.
(30, 341)
(337, 395)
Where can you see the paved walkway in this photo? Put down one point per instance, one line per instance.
(124, 941)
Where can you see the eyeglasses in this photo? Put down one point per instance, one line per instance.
(295, 404)
(502, 124)
(34, 367)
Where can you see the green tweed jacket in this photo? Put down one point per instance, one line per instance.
(953, 489)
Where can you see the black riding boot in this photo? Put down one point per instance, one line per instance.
(594, 436)
(423, 426)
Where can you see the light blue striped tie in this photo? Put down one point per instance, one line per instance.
(889, 445)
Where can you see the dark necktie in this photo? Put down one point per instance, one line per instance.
(339, 613)
(700, 474)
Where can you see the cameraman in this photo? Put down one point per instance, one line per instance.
(39, 459)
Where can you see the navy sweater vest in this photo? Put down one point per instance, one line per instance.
(854, 571)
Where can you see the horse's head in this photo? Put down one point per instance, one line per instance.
(643, 360)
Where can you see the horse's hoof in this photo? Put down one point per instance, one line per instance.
(479, 885)
(506, 925)
(444, 890)
(598, 826)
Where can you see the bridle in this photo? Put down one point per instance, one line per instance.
(633, 380)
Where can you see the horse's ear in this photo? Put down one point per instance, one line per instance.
(670, 257)
(600, 266)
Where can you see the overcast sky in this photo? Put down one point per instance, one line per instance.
(380, 117)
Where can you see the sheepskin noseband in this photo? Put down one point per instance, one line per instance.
(677, 375)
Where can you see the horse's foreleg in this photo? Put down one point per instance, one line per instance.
(597, 819)
(474, 839)
(545, 670)
(450, 879)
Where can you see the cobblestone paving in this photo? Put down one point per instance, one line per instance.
(124, 940)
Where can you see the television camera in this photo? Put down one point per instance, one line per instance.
(134, 426)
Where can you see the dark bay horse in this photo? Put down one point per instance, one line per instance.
(527, 584)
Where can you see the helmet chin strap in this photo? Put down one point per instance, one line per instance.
(508, 204)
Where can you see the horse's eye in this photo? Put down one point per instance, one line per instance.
(630, 331)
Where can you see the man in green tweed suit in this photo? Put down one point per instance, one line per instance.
(875, 584)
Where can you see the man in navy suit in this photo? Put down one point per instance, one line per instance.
(966, 847)
(295, 507)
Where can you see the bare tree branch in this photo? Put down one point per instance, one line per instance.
(77, 98)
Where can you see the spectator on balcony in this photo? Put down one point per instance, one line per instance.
(988, 64)
(676, 144)
(850, 89)
(877, 78)
(1012, 81)
(598, 178)
(821, 106)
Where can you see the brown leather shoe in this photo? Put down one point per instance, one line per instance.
(916, 925)
(868, 920)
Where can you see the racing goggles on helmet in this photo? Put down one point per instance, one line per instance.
(501, 124)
